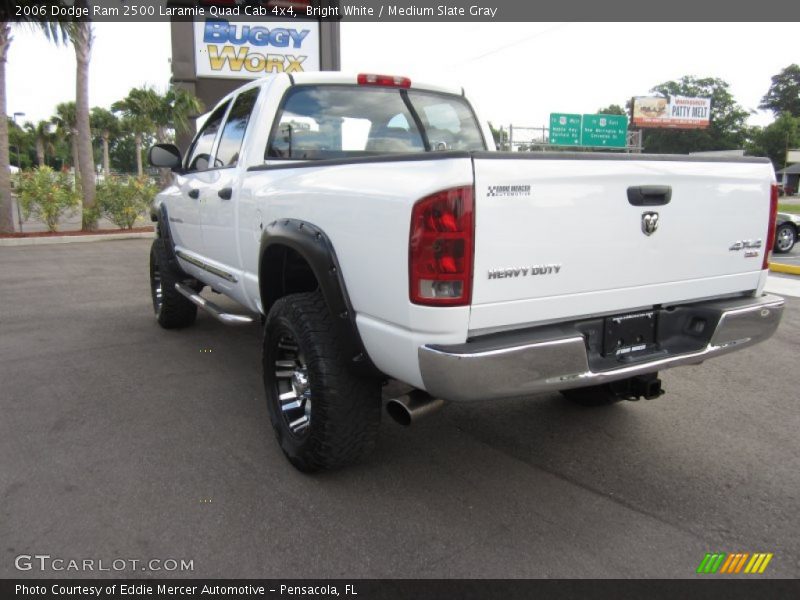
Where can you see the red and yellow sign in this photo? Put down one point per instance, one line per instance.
(676, 112)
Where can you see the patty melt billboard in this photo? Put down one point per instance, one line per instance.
(237, 50)
(677, 112)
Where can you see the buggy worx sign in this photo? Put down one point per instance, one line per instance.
(236, 50)
(735, 562)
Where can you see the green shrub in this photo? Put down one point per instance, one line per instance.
(123, 200)
(46, 196)
(90, 216)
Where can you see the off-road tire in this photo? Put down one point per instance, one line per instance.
(173, 311)
(345, 410)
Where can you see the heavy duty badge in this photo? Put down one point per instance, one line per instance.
(552, 269)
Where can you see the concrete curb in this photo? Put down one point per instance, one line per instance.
(782, 268)
(68, 239)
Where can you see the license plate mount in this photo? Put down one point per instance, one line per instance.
(627, 334)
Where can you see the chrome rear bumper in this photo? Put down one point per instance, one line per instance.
(491, 369)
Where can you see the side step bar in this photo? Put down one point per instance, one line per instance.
(215, 311)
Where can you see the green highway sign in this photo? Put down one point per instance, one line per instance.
(604, 130)
(565, 130)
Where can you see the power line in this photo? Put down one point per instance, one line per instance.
(512, 44)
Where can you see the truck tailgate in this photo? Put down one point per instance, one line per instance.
(558, 237)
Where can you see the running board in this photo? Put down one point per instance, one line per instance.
(217, 312)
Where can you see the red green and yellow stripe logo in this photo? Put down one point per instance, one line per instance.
(735, 562)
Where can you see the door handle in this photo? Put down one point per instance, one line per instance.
(649, 195)
(225, 193)
(194, 194)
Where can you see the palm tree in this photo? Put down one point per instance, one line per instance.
(66, 122)
(171, 112)
(135, 110)
(158, 109)
(81, 36)
(166, 113)
(44, 139)
(6, 205)
(185, 106)
(7, 12)
(104, 125)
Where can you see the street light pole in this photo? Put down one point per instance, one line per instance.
(19, 165)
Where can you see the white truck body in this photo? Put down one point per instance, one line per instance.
(556, 242)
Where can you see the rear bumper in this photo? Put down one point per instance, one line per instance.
(518, 364)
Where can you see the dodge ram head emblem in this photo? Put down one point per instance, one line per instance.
(649, 223)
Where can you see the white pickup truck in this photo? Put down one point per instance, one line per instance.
(370, 224)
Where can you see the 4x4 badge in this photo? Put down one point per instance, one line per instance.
(649, 223)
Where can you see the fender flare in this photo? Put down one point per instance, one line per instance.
(161, 218)
(314, 246)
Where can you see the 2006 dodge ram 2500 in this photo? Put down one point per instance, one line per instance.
(370, 224)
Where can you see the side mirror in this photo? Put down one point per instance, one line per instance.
(165, 156)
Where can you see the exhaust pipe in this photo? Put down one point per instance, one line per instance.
(412, 407)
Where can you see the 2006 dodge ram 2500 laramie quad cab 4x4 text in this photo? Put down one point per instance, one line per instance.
(370, 224)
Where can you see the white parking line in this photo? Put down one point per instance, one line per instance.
(792, 259)
(783, 286)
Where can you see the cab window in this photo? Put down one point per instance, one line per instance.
(199, 156)
(449, 124)
(329, 121)
(230, 143)
(338, 121)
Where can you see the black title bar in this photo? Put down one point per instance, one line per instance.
(391, 589)
(710, 11)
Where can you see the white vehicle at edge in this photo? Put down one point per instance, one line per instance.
(371, 225)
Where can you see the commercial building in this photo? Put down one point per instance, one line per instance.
(211, 56)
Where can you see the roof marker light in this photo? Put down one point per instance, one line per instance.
(383, 80)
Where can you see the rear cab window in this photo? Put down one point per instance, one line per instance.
(340, 121)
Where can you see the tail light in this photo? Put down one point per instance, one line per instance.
(440, 248)
(384, 80)
(773, 217)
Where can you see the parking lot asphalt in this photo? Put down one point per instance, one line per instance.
(120, 440)
(790, 258)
